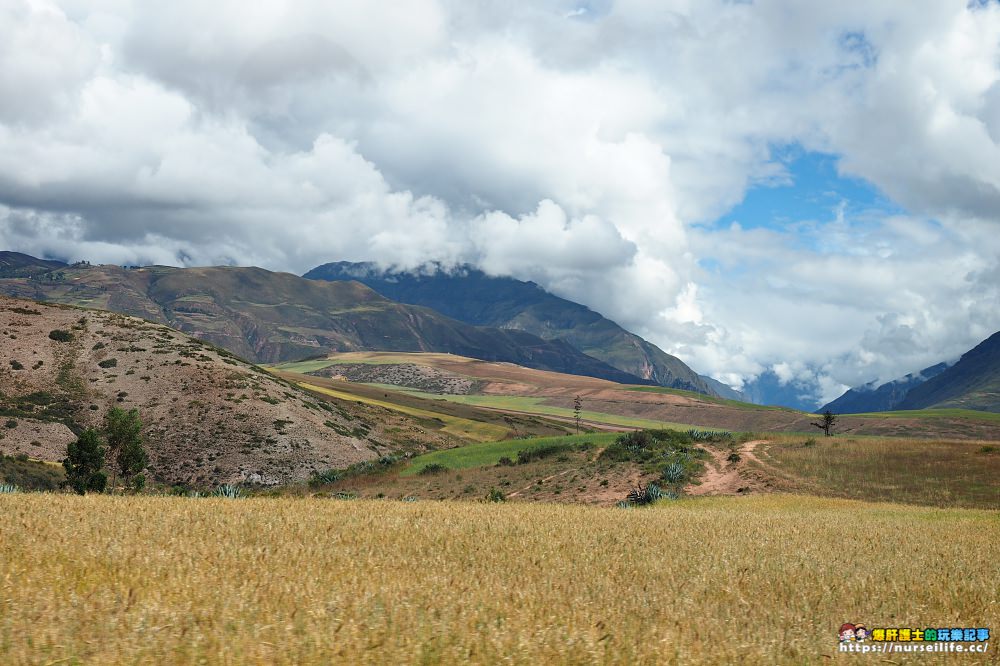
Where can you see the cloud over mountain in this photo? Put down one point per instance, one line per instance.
(589, 146)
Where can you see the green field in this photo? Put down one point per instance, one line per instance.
(489, 453)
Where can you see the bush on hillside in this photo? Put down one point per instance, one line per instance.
(60, 335)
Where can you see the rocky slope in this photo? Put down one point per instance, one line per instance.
(209, 417)
(271, 317)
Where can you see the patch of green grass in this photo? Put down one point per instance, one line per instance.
(489, 453)
(30, 474)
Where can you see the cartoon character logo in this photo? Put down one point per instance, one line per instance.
(846, 632)
(860, 632)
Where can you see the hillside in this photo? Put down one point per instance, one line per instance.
(209, 417)
(471, 296)
(16, 264)
(886, 397)
(972, 383)
(270, 317)
(396, 379)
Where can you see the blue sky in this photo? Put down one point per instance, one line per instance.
(812, 190)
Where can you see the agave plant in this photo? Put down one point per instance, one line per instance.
(641, 495)
(8, 488)
(229, 491)
(324, 477)
(674, 473)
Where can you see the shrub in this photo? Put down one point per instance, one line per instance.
(108, 363)
(989, 449)
(496, 495)
(734, 457)
(10, 423)
(642, 495)
(60, 335)
(541, 452)
(16, 365)
(505, 462)
(433, 468)
(809, 442)
(709, 435)
(317, 479)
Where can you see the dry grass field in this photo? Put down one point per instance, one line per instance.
(937, 473)
(765, 579)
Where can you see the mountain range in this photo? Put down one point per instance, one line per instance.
(269, 317)
(971, 383)
(471, 296)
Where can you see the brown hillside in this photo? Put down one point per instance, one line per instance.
(209, 417)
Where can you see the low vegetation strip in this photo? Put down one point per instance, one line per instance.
(454, 425)
(490, 453)
(760, 580)
(936, 414)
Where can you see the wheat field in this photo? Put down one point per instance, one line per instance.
(765, 579)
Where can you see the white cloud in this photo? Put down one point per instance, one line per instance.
(577, 149)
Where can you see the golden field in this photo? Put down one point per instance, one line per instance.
(765, 579)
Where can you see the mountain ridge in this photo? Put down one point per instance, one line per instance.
(470, 295)
(271, 317)
(885, 397)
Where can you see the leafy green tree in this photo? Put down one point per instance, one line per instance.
(124, 433)
(83, 463)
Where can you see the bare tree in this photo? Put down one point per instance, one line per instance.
(577, 408)
(827, 423)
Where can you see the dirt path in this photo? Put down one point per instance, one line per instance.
(723, 477)
(548, 478)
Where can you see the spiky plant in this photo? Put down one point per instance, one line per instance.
(642, 495)
(229, 491)
(8, 488)
(674, 473)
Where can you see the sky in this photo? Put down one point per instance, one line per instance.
(809, 189)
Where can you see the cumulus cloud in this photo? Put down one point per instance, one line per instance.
(586, 146)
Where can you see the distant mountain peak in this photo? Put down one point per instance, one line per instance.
(468, 294)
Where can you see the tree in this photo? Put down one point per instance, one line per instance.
(83, 463)
(577, 408)
(827, 423)
(124, 433)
